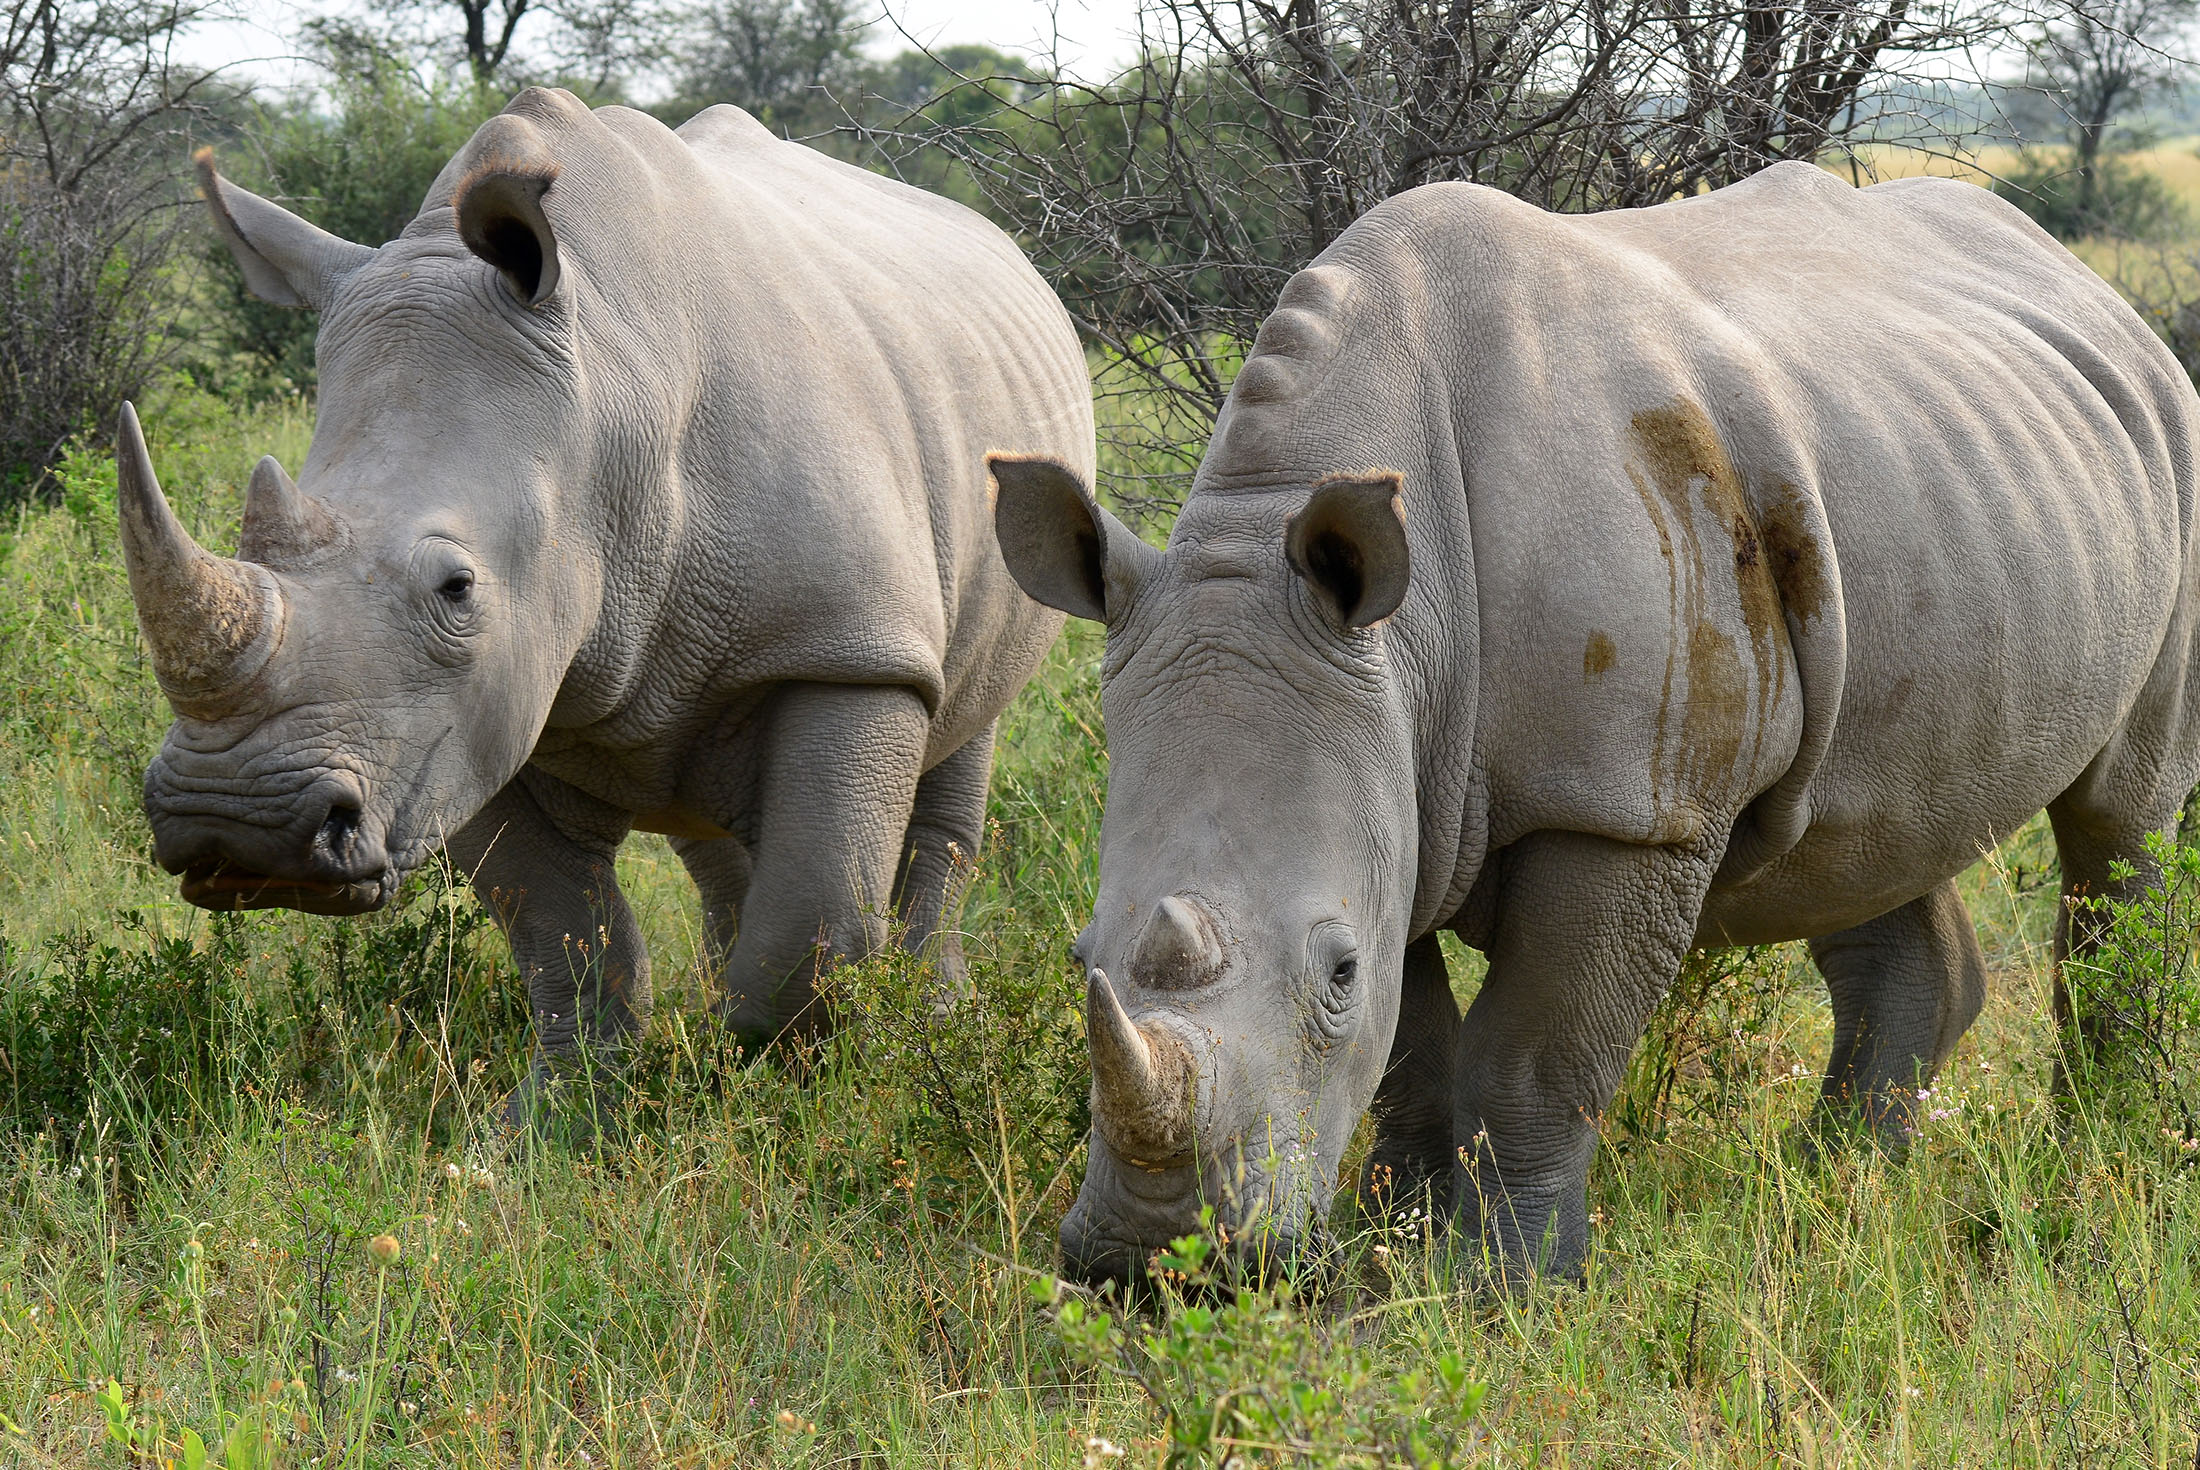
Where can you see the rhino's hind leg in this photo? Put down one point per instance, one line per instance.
(720, 868)
(836, 780)
(1905, 987)
(1410, 1162)
(945, 827)
(552, 886)
(1589, 933)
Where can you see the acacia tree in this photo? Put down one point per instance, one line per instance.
(2097, 63)
(1170, 204)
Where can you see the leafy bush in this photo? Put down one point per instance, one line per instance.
(92, 105)
(147, 1042)
(2124, 200)
(150, 1040)
(993, 1083)
(1702, 1050)
(2135, 1000)
(1254, 1375)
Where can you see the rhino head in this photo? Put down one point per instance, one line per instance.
(1245, 953)
(382, 653)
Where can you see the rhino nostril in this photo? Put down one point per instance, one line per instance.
(338, 831)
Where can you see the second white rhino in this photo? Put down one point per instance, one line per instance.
(1596, 587)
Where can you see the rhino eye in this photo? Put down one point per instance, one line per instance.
(1347, 971)
(457, 587)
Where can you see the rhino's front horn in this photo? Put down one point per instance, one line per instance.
(210, 623)
(1142, 1082)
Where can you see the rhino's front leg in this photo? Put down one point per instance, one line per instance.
(1412, 1156)
(541, 857)
(1589, 935)
(836, 780)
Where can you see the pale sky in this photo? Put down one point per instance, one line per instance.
(1096, 36)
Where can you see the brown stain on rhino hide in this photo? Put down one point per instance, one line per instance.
(1791, 553)
(1687, 480)
(1597, 655)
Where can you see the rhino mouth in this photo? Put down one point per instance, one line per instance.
(227, 887)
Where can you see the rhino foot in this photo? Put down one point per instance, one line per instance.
(573, 1103)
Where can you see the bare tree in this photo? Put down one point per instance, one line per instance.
(92, 115)
(1171, 204)
(489, 28)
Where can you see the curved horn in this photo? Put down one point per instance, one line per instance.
(1141, 1081)
(210, 623)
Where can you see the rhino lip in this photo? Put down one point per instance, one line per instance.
(226, 887)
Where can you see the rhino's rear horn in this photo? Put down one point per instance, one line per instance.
(210, 623)
(282, 525)
(1142, 1082)
(1178, 948)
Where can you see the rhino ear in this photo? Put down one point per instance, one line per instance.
(501, 219)
(1061, 546)
(284, 259)
(1349, 545)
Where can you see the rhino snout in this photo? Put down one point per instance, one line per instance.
(1268, 1222)
(313, 847)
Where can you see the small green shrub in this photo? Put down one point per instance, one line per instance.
(151, 1040)
(1254, 1376)
(2135, 1000)
(994, 1084)
(1703, 1050)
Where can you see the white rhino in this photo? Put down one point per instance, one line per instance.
(647, 492)
(1726, 572)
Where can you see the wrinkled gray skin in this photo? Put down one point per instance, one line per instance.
(1755, 562)
(647, 492)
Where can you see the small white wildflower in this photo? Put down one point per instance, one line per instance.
(345, 1375)
(453, 1173)
(1912, 1393)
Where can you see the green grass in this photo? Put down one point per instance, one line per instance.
(206, 1122)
